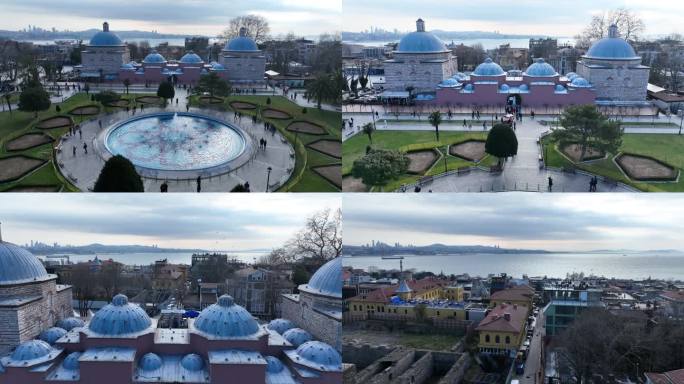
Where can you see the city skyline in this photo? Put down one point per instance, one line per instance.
(567, 223)
(302, 17)
(212, 221)
(560, 19)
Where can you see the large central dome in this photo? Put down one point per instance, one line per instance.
(612, 47)
(104, 38)
(242, 43)
(327, 280)
(18, 265)
(421, 41)
(225, 319)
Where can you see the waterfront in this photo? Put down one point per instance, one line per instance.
(486, 43)
(149, 258)
(658, 265)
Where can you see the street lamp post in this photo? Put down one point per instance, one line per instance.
(680, 112)
(268, 176)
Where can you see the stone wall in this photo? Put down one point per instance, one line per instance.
(244, 67)
(364, 355)
(9, 336)
(419, 372)
(457, 371)
(108, 59)
(304, 314)
(386, 370)
(422, 71)
(615, 81)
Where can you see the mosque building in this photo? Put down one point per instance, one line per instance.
(106, 58)
(30, 299)
(609, 75)
(122, 344)
(317, 308)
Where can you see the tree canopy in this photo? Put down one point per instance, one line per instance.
(166, 90)
(257, 28)
(587, 127)
(118, 175)
(324, 87)
(435, 119)
(501, 141)
(34, 99)
(106, 97)
(379, 166)
(213, 84)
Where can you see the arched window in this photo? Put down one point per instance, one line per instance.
(497, 339)
(508, 339)
(487, 338)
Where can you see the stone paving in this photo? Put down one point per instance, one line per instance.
(83, 169)
(521, 173)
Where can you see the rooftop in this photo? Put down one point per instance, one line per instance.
(504, 318)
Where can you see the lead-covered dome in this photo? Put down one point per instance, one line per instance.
(297, 336)
(31, 350)
(119, 318)
(421, 41)
(540, 68)
(327, 280)
(192, 362)
(150, 362)
(18, 265)
(489, 68)
(241, 43)
(154, 58)
(320, 355)
(580, 82)
(191, 58)
(449, 83)
(273, 364)
(70, 323)
(280, 325)
(225, 319)
(612, 47)
(71, 361)
(51, 335)
(104, 38)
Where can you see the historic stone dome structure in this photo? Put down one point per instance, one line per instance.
(243, 61)
(280, 325)
(103, 56)
(225, 319)
(488, 68)
(18, 266)
(540, 68)
(297, 336)
(119, 318)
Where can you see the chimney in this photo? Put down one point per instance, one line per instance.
(105, 27)
(507, 316)
(420, 25)
(613, 31)
(243, 31)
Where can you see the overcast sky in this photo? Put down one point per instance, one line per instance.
(207, 221)
(560, 222)
(208, 17)
(556, 18)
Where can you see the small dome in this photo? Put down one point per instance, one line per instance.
(127, 66)
(71, 361)
(320, 355)
(241, 43)
(119, 318)
(580, 82)
(150, 362)
(274, 365)
(280, 325)
(191, 58)
(421, 41)
(51, 335)
(32, 349)
(560, 88)
(612, 47)
(192, 362)
(449, 83)
(154, 58)
(18, 265)
(297, 336)
(460, 76)
(540, 68)
(327, 280)
(469, 87)
(489, 68)
(70, 323)
(217, 67)
(226, 319)
(571, 75)
(504, 88)
(524, 87)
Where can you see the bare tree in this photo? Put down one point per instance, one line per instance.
(84, 282)
(630, 26)
(257, 28)
(321, 238)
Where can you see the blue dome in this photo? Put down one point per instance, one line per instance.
(71, 361)
(320, 355)
(504, 88)
(192, 362)
(489, 68)
(51, 335)
(460, 76)
(404, 287)
(105, 39)
(421, 42)
(280, 325)
(191, 58)
(469, 87)
(612, 48)
(18, 265)
(127, 66)
(154, 58)
(119, 318)
(449, 83)
(241, 44)
(524, 87)
(540, 68)
(580, 82)
(226, 319)
(571, 75)
(217, 67)
(70, 323)
(297, 336)
(560, 88)
(273, 364)
(327, 280)
(32, 349)
(150, 362)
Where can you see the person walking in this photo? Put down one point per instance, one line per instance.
(199, 183)
(74, 150)
(85, 148)
(550, 184)
(164, 187)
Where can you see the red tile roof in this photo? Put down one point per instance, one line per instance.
(496, 320)
(417, 286)
(672, 377)
(517, 293)
(673, 295)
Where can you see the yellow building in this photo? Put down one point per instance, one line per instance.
(502, 331)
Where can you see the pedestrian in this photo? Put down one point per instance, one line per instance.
(199, 183)
(550, 184)
(164, 187)
(85, 148)
(99, 122)
(247, 186)
(74, 147)
(80, 133)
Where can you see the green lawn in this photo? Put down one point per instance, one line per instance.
(667, 148)
(355, 148)
(303, 178)
(18, 123)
